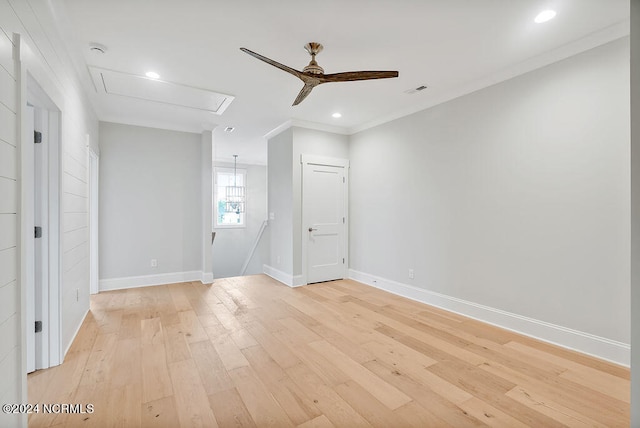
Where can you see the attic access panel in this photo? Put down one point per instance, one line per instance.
(143, 88)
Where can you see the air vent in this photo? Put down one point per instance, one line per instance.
(414, 90)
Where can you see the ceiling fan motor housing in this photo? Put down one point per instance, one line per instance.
(313, 68)
(313, 48)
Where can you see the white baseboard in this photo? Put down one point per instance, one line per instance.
(149, 280)
(72, 339)
(586, 343)
(206, 277)
(285, 278)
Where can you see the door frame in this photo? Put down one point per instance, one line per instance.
(93, 164)
(48, 345)
(306, 159)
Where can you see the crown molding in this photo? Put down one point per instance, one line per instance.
(593, 40)
(291, 123)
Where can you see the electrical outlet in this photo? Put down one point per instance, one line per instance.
(278, 260)
(154, 263)
(272, 216)
(411, 274)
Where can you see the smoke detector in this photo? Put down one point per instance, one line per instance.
(97, 48)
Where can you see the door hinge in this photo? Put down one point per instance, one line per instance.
(38, 232)
(37, 137)
(343, 260)
(38, 326)
(342, 220)
(344, 180)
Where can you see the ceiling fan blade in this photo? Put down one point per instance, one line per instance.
(351, 76)
(306, 90)
(272, 62)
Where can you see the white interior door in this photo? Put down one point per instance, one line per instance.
(324, 219)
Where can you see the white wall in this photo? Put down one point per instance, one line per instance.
(515, 197)
(150, 203)
(43, 56)
(280, 201)
(635, 213)
(11, 388)
(232, 245)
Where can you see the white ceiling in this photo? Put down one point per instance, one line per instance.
(452, 46)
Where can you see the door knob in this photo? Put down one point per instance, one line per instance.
(311, 229)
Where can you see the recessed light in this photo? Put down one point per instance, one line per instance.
(152, 75)
(545, 16)
(229, 129)
(336, 115)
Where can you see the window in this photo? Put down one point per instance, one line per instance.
(229, 197)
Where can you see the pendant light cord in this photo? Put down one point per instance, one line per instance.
(235, 173)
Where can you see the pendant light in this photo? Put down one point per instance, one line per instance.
(235, 195)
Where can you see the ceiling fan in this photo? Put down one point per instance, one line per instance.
(313, 75)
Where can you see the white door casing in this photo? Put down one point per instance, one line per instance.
(324, 215)
(94, 165)
(40, 206)
(28, 241)
(41, 244)
(38, 216)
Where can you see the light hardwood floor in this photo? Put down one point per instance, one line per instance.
(251, 352)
